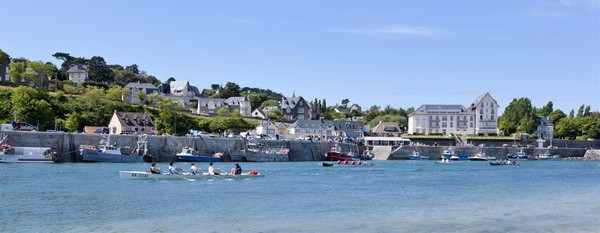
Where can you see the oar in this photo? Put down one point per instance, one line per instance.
(188, 179)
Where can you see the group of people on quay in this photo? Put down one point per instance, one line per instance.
(172, 170)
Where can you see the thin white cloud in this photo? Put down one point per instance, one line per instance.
(393, 30)
(562, 8)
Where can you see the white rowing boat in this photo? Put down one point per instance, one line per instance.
(140, 175)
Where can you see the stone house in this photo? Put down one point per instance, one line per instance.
(349, 129)
(78, 73)
(211, 106)
(296, 108)
(137, 87)
(132, 123)
(386, 129)
(356, 108)
(545, 128)
(182, 92)
(314, 128)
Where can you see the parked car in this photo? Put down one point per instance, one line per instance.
(232, 135)
(199, 133)
(27, 127)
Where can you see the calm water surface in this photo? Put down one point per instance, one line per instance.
(392, 196)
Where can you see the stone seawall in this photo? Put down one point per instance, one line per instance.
(164, 148)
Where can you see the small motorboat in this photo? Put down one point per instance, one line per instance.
(503, 162)
(444, 161)
(327, 164)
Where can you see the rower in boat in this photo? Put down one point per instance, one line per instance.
(154, 169)
(193, 169)
(236, 170)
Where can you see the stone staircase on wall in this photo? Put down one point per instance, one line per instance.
(381, 152)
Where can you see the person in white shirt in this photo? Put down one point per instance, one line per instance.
(172, 168)
(211, 170)
(193, 168)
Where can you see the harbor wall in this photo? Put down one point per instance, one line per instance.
(164, 148)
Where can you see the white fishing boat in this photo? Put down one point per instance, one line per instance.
(547, 156)
(141, 175)
(111, 153)
(258, 152)
(11, 154)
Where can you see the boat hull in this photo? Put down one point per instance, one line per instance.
(418, 157)
(94, 156)
(335, 156)
(140, 175)
(26, 155)
(265, 157)
(198, 158)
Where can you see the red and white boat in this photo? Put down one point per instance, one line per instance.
(335, 154)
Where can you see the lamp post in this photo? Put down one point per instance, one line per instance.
(174, 119)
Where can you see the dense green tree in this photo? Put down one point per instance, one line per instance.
(223, 112)
(152, 79)
(133, 69)
(230, 90)
(98, 70)
(256, 100)
(402, 121)
(4, 58)
(269, 103)
(16, 70)
(123, 77)
(345, 103)
(32, 105)
(586, 112)
(572, 114)
(117, 93)
(556, 115)
(546, 110)
(5, 105)
(580, 111)
(215, 87)
(566, 129)
(519, 116)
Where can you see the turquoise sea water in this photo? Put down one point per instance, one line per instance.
(392, 196)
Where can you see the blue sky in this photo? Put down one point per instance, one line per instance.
(397, 53)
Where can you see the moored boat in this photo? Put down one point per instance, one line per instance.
(447, 154)
(480, 156)
(335, 154)
(459, 157)
(547, 156)
(258, 152)
(9, 154)
(416, 156)
(443, 161)
(188, 154)
(503, 162)
(105, 152)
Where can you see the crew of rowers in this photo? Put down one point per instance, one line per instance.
(236, 170)
(351, 163)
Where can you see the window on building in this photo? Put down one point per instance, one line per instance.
(451, 125)
(451, 118)
(471, 124)
(492, 117)
(480, 117)
(481, 111)
(492, 111)
(471, 118)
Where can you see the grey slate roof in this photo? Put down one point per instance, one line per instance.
(78, 69)
(289, 102)
(141, 86)
(134, 119)
(235, 100)
(542, 120)
(311, 124)
(386, 127)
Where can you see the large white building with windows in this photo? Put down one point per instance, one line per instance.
(481, 117)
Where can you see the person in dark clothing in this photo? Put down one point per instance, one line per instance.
(237, 170)
(154, 169)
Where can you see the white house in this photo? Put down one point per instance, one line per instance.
(78, 73)
(131, 123)
(319, 128)
(138, 87)
(480, 117)
(211, 106)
